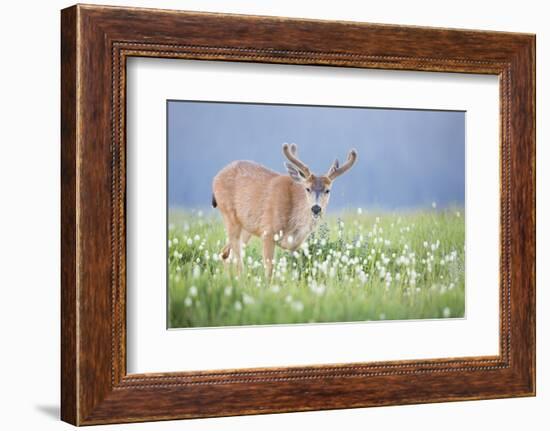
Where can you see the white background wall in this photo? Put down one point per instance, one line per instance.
(29, 227)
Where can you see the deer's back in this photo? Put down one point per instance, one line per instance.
(241, 188)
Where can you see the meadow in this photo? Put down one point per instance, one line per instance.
(358, 266)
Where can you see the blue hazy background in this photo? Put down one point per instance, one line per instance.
(407, 159)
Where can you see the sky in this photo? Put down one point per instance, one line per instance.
(407, 159)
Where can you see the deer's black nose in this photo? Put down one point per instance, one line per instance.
(316, 209)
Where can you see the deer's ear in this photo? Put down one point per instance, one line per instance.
(294, 172)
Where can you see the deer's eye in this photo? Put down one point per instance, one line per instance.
(327, 191)
(308, 189)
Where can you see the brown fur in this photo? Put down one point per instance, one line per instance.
(255, 200)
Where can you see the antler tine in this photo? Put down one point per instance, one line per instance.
(291, 153)
(336, 170)
(294, 149)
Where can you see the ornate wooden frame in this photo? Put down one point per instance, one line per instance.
(95, 43)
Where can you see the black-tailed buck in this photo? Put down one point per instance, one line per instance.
(280, 209)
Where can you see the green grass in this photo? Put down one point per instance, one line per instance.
(355, 267)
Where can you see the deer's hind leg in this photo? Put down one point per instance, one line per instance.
(245, 237)
(268, 254)
(231, 253)
(226, 251)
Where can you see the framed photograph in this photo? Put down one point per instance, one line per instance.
(403, 258)
(265, 214)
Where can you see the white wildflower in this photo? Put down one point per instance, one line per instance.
(228, 290)
(446, 312)
(297, 306)
(247, 299)
(238, 306)
(196, 271)
(188, 302)
(193, 291)
(318, 289)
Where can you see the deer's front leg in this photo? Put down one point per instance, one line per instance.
(268, 252)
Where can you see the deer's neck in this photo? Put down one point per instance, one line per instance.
(301, 222)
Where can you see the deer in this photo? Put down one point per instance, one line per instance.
(280, 209)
